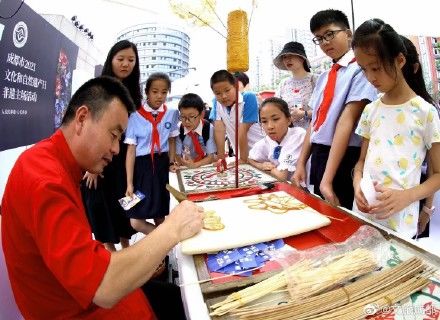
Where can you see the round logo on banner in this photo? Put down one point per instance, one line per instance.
(167, 125)
(20, 34)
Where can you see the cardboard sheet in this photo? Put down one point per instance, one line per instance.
(244, 226)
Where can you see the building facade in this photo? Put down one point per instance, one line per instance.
(429, 56)
(161, 48)
(262, 72)
(88, 53)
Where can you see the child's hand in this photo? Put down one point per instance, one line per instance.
(174, 167)
(129, 191)
(242, 161)
(91, 179)
(267, 166)
(361, 202)
(328, 193)
(296, 114)
(390, 202)
(189, 163)
(423, 221)
(299, 178)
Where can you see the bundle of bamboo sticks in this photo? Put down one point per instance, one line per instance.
(303, 280)
(379, 290)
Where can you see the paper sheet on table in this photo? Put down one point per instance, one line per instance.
(244, 226)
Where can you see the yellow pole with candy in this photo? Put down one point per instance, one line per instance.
(237, 43)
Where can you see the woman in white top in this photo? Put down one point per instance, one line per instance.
(280, 149)
(296, 89)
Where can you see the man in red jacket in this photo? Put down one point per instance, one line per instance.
(55, 267)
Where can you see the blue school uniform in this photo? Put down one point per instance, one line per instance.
(351, 85)
(187, 143)
(151, 171)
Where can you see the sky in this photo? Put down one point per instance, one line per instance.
(268, 18)
(105, 18)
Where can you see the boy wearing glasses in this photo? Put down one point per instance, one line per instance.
(195, 145)
(338, 99)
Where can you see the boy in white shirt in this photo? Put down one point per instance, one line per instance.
(249, 131)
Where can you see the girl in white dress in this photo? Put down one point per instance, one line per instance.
(398, 130)
(280, 149)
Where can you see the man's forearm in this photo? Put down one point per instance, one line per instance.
(132, 267)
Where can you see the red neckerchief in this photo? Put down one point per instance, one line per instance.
(197, 146)
(155, 138)
(328, 95)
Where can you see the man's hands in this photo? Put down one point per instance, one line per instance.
(185, 220)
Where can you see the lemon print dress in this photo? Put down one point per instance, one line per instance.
(399, 137)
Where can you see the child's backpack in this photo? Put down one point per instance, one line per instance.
(205, 132)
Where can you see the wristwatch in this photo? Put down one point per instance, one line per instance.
(429, 211)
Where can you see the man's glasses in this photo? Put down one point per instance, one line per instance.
(329, 35)
(188, 119)
(276, 152)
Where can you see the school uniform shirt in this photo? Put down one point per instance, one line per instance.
(291, 146)
(399, 136)
(247, 112)
(187, 142)
(351, 85)
(54, 265)
(139, 130)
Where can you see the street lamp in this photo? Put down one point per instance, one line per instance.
(352, 15)
(87, 32)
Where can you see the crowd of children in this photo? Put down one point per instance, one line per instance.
(368, 118)
(370, 114)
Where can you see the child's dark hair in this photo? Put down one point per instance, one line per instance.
(279, 103)
(220, 76)
(157, 76)
(326, 17)
(242, 77)
(412, 71)
(132, 81)
(378, 38)
(191, 100)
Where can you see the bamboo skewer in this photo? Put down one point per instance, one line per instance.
(382, 289)
(349, 293)
(304, 279)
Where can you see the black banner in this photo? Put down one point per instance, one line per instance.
(36, 65)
